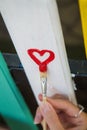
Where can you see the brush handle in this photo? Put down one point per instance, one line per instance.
(44, 125)
(44, 122)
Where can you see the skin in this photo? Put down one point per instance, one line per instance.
(59, 114)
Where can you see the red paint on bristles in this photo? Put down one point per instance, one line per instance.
(43, 67)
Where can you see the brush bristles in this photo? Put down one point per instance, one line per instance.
(43, 74)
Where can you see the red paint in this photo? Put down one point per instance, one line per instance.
(42, 64)
(43, 67)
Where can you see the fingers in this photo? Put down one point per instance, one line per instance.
(50, 111)
(60, 102)
(40, 97)
(38, 117)
(46, 111)
(56, 96)
(50, 116)
(64, 105)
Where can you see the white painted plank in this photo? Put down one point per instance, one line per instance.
(36, 24)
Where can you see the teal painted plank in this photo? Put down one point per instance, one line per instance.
(12, 105)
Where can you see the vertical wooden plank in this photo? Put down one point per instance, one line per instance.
(36, 24)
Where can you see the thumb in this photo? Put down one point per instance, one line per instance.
(50, 116)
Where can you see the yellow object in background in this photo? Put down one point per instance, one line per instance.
(83, 12)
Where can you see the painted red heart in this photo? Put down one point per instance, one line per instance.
(42, 64)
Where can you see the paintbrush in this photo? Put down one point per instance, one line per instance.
(43, 71)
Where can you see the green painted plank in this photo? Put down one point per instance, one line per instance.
(12, 105)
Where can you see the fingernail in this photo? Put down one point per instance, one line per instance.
(37, 118)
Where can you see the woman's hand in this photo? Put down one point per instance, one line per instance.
(59, 113)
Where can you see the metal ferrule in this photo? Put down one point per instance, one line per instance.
(44, 86)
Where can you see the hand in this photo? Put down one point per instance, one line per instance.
(59, 113)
